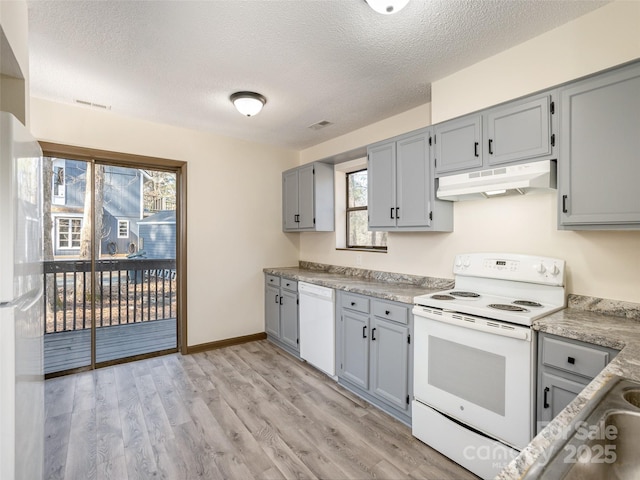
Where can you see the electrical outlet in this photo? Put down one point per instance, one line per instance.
(359, 259)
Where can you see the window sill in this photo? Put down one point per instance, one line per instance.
(373, 250)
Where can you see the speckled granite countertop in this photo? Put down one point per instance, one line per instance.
(602, 322)
(385, 285)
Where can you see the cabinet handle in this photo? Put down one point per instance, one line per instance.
(475, 149)
(546, 391)
(353, 304)
(280, 300)
(391, 212)
(387, 312)
(276, 298)
(373, 335)
(490, 146)
(571, 360)
(397, 212)
(564, 204)
(364, 332)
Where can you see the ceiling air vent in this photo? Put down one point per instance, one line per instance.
(94, 105)
(319, 125)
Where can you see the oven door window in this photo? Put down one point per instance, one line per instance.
(468, 373)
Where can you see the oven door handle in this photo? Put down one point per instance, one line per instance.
(482, 325)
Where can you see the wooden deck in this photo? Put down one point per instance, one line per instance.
(72, 349)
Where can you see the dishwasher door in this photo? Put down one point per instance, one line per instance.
(318, 327)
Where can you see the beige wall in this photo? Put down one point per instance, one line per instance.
(14, 81)
(413, 119)
(603, 264)
(234, 208)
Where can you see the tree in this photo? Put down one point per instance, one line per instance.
(159, 191)
(47, 224)
(87, 227)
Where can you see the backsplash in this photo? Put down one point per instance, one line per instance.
(418, 281)
(616, 308)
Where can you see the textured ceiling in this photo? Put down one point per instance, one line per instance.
(177, 62)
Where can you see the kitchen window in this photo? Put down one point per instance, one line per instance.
(69, 232)
(123, 228)
(357, 234)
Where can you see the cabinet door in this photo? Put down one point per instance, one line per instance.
(354, 362)
(559, 393)
(381, 181)
(599, 149)
(413, 185)
(305, 197)
(390, 362)
(289, 319)
(458, 144)
(290, 200)
(519, 132)
(272, 310)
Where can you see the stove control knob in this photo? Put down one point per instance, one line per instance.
(540, 268)
(555, 270)
(458, 261)
(467, 262)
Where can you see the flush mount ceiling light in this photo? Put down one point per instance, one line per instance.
(387, 6)
(248, 103)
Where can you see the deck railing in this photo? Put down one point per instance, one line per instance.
(125, 291)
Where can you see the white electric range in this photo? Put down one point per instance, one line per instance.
(474, 357)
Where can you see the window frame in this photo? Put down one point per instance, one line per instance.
(123, 222)
(69, 243)
(348, 209)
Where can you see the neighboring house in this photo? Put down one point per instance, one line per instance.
(158, 235)
(122, 207)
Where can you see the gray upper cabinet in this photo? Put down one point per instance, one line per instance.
(514, 132)
(381, 185)
(458, 144)
(308, 198)
(401, 186)
(290, 200)
(519, 131)
(599, 168)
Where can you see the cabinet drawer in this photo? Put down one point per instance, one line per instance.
(288, 284)
(272, 280)
(355, 302)
(388, 311)
(569, 357)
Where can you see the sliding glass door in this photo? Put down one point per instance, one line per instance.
(111, 272)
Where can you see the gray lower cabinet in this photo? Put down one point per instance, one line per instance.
(281, 312)
(374, 351)
(599, 171)
(401, 186)
(565, 367)
(308, 198)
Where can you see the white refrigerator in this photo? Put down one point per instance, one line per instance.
(21, 304)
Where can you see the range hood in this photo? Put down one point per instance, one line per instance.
(497, 182)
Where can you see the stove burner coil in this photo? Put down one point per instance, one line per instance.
(510, 308)
(465, 294)
(442, 297)
(527, 303)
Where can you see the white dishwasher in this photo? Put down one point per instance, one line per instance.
(318, 327)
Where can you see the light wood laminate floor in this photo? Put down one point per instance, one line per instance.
(242, 412)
